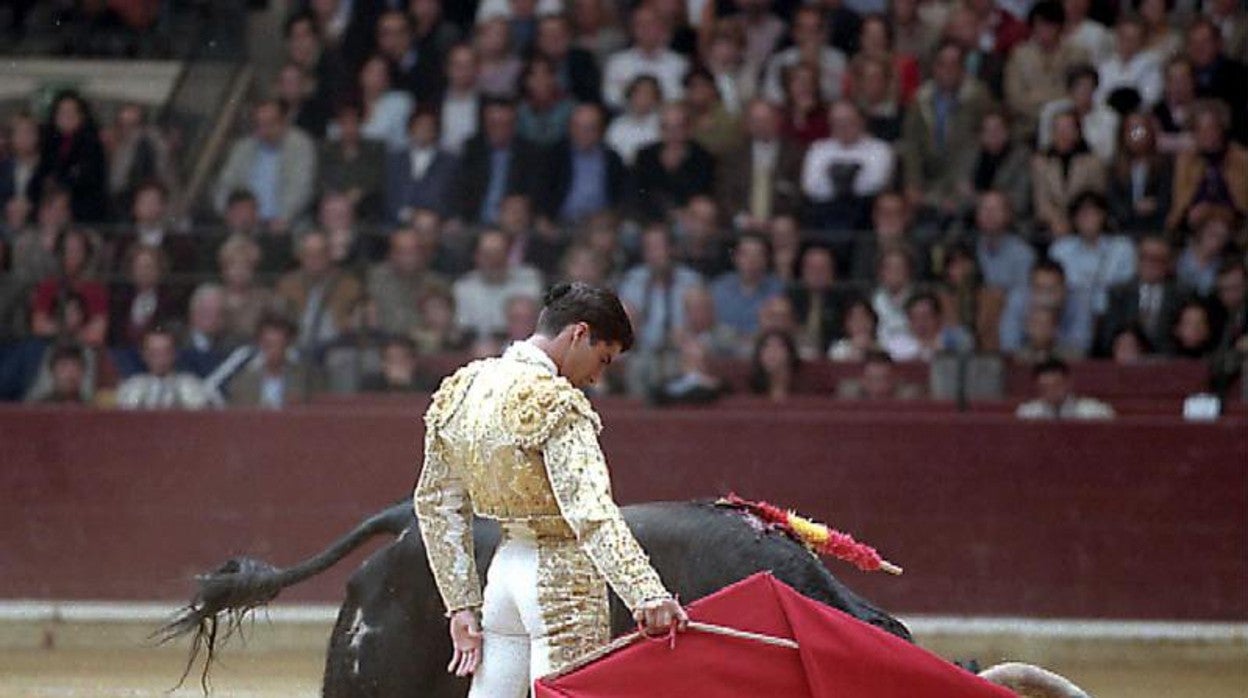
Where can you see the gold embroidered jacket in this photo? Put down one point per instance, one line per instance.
(510, 440)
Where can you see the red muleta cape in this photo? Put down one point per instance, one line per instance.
(838, 656)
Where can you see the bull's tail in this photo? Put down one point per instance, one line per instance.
(227, 595)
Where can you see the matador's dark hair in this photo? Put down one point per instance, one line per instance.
(597, 307)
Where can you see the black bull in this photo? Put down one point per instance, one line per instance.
(390, 637)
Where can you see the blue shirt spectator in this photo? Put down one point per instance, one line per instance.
(1047, 287)
(263, 182)
(1005, 261)
(587, 193)
(739, 294)
(655, 290)
(500, 164)
(1092, 260)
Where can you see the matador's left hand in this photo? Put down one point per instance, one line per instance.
(466, 641)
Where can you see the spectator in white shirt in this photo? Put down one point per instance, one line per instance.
(1055, 399)
(491, 9)
(638, 126)
(461, 105)
(649, 55)
(386, 110)
(810, 32)
(482, 294)
(895, 272)
(1098, 123)
(841, 174)
(1087, 34)
(162, 387)
(1130, 65)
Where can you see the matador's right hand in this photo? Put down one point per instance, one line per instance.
(660, 615)
(466, 643)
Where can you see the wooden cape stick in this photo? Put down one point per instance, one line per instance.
(710, 628)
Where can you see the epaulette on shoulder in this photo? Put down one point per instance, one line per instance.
(539, 403)
(449, 394)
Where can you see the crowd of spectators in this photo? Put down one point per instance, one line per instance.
(773, 181)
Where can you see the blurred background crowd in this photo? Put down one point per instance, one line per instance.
(770, 185)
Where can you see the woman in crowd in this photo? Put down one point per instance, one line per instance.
(875, 40)
(245, 300)
(999, 163)
(12, 298)
(875, 93)
(500, 67)
(75, 252)
(894, 287)
(34, 248)
(1192, 333)
(1211, 176)
(775, 366)
(1094, 258)
(859, 333)
(545, 109)
(638, 126)
(1140, 179)
(73, 157)
(97, 367)
(1066, 169)
(140, 303)
(1130, 346)
(1162, 36)
(714, 128)
(438, 332)
(385, 110)
(1207, 248)
(1173, 112)
(806, 114)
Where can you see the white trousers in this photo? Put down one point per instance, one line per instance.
(544, 606)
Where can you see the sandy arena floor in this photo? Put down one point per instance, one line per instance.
(31, 673)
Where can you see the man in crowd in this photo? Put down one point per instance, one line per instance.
(1149, 301)
(481, 294)
(761, 179)
(940, 128)
(276, 163)
(318, 293)
(1005, 261)
(1046, 288)
(1036, 71)
(1055, 399)
(740, 293)
(397, 285)
(162, 387)
(649, 55)
(586, 177)
(205, 345)
(273, 378)
(497, 162)
(421, 176)
(669, 173)
(400, 371)
(842, 174)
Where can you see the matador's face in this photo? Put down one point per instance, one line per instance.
(586, 359)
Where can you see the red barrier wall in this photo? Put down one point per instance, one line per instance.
(1141, 518)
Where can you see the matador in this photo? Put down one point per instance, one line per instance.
(514, 439)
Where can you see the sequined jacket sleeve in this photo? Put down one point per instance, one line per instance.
(582, 487)
(444, 509)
